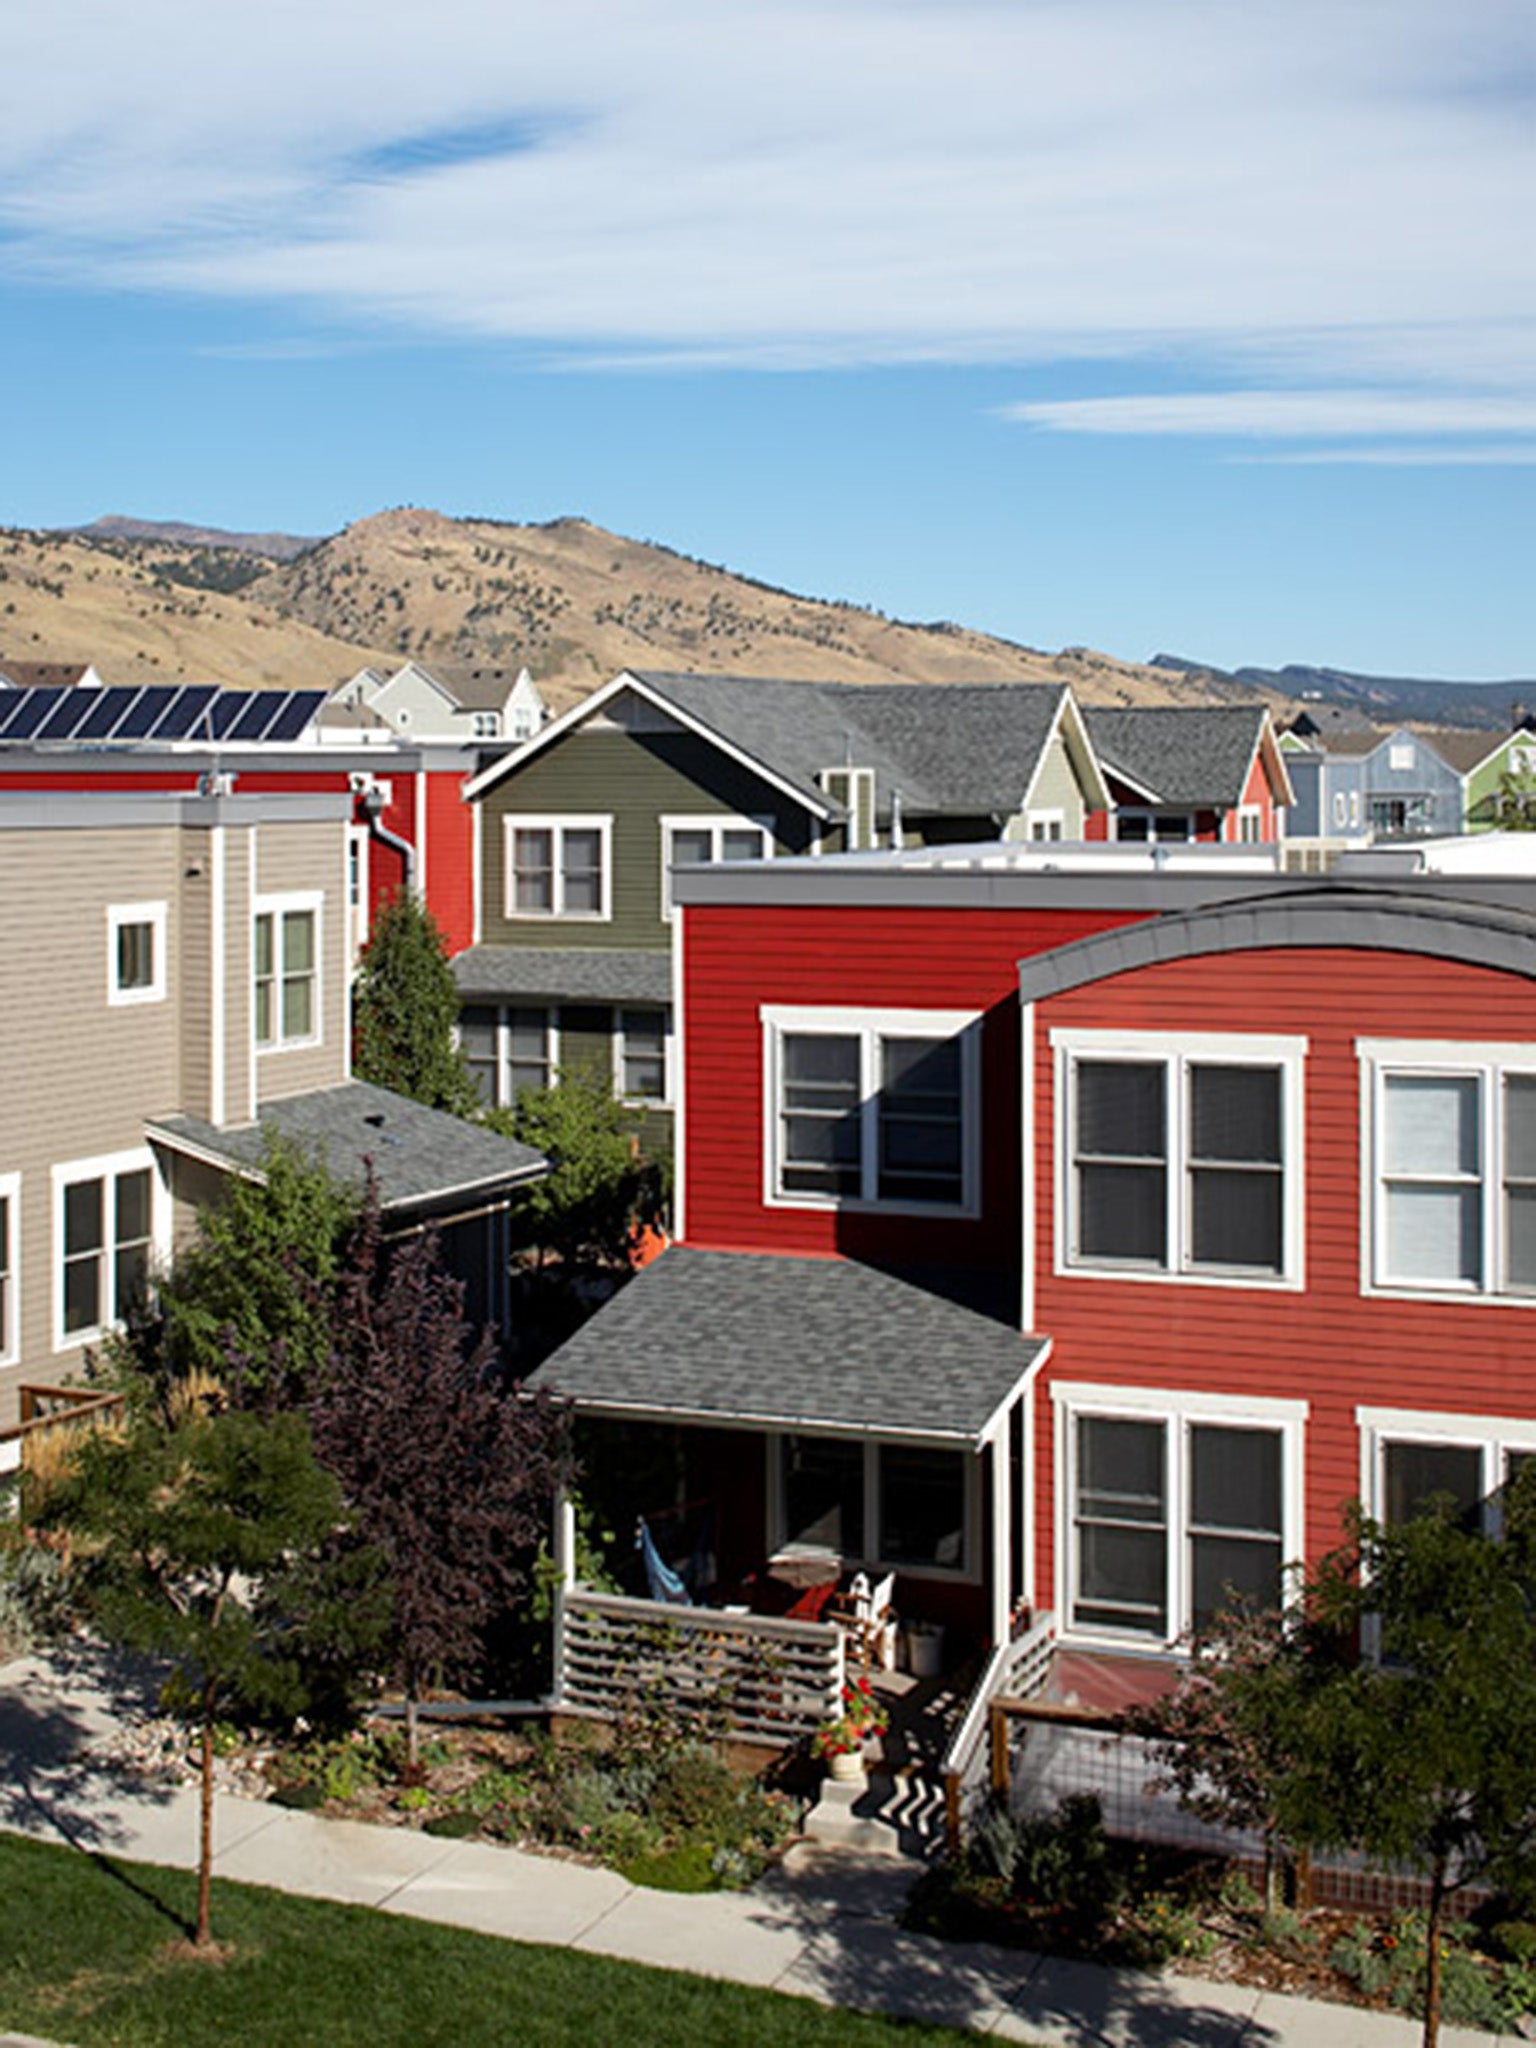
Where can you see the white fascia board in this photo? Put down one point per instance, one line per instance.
(1081, 745)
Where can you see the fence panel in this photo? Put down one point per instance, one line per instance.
(1018, 1669)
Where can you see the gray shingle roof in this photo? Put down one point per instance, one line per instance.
(422, 1158)
(789, 1343)
(594, 975)
(948, 747)
(1184, 754)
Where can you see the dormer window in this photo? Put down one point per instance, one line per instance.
(854, 789)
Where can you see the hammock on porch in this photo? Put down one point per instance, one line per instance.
(677, 1588)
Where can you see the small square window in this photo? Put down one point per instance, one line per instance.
(135, 953)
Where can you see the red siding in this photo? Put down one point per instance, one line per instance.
(738, 959)
(1327, 1345)
(450, 835)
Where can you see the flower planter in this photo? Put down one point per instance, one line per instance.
(846, 1767)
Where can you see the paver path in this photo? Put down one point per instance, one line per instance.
(823, 1927)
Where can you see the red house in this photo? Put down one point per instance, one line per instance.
(1069, 1241)
(408, 813)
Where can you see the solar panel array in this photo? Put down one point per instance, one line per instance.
(159, 711)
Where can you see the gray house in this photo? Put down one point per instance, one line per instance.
(579, 830)
(1360, 786)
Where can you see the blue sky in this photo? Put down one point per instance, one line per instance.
(1150, 324)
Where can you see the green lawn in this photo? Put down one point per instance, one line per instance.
(88, 1954)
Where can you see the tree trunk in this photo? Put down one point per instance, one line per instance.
(1432, 1954)
(205, 1843)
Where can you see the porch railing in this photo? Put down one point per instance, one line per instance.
(37, 1445)
(971, 1771)
(764, 1679)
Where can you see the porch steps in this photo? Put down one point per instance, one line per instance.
(892, 1814)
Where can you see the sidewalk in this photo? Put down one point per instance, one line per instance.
(822, 1928)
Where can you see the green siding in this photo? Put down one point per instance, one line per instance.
(1480, 789)
(637, 779)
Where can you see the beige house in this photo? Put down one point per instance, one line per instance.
(174, 981)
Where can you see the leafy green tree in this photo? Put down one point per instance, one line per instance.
(406, 1010)
(186, 1531)
(584, 1211)
(248, 1298)
(1514, 802)
(1422, 1751)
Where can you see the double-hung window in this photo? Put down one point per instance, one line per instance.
(507, 1051)
(1174, 1507)
(640, 1055)
(692, 842)
(872, 1109)
(135, 953)
(558, 867)
(105, 1234)
(1412, 1458)
(1451, 1188)
(286, 994)
(889, 1504)
(1179, 1156)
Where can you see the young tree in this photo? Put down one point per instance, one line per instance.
(248, 1298)
(583, 1212)
(450, 1476)
(1420, 1752)
(184, 1533)
(406, 1010)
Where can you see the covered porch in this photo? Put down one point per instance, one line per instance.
(822, 1466)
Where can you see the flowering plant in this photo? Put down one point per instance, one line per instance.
(862, 1716)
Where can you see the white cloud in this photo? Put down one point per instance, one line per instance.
(1335, 189)
(1282, 415)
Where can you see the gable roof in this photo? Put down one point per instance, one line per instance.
(1464, 750)
(1197, 755)
(792, 1343)
(947, 748)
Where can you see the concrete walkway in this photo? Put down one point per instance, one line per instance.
(822, 1928)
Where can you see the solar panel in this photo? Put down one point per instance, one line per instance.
(183, 712)
(257, 715)
(11, 702)
(225, 709)
(105, 709)
(30, 715)
(61, 722)
(298, 713)
(144, 715)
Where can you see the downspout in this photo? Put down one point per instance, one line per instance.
(372, 801)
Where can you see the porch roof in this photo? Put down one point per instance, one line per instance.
(748, 1340)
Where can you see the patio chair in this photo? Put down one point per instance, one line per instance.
(867, 1616)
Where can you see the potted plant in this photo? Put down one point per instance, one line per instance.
(841, 1742)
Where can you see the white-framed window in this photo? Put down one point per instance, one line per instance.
(1170, 1505)
(700, 841)
(894, 1505)
(357, 887)
(508, 1048)
(10, 1267)
(1354, 809)
(285, 1008)
(485, 725)
(854, 789)
(1409, 1457)
(1175, 828)
(1046, 825)
(135, 953)
(871, 1109)
(1179, 1156)
(1400, 756)
(1341, 809)
(641, 1044)
(559, 867)
(1450, 1174)
(108, 1224)
(1250, 824)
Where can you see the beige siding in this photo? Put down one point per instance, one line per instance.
(306, 860)
(1056, 789)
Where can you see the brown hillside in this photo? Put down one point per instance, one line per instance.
(575, 603)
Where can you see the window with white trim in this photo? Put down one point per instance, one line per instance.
(1250, 824)
(1174, 828)
(104, 1235)
(10, 1223)
(888, 1504)
(508, 1050)
(640, 1055)
(1174, 1508)
(1179, 1155)
(1412, 1458)
(286, 994)
(872, 1109)
(558, 867)
(693, 842)
(1451, 1186)
(135, 953)
(1046, 825)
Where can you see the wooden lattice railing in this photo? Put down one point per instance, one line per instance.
(763, 1679)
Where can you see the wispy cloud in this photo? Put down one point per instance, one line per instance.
(1309, 194)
